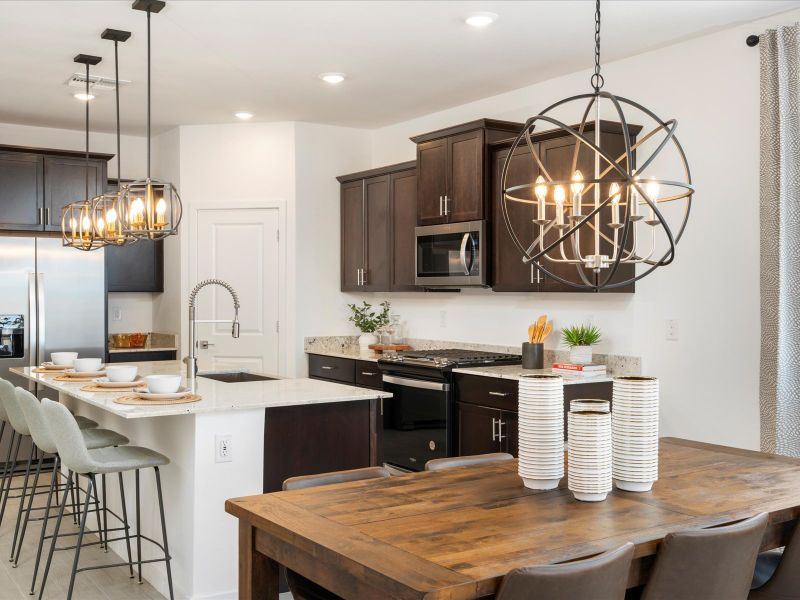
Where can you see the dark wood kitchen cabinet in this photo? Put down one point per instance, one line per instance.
(482, 429)
(452, 167)
(378, 213)
(35, 183)
(556, 150)
(136, 267)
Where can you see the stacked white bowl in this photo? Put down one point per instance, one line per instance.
(634, 425)
(589, 450)
(541, 431)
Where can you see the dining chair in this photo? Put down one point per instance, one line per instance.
(712, 564)
(301, 587)
(438, 464)
(602, 577)
(777, 575)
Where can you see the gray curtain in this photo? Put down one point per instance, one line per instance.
(780, 241)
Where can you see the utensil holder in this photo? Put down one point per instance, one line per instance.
(532, 356)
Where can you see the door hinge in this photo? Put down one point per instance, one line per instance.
(278, 235)
(277, 326)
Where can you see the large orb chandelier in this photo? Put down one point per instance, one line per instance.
(152, 208)
(78, 220)
(617, 216)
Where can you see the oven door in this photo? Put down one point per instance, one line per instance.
(450, 255)
(415, 421)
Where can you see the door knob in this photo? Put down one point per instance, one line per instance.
(204, 344)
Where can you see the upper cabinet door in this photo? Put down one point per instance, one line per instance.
(21, 191)
(138, 267)
(404, 219)
(377, 266)
(65, 182)
(509, 272)
(352, 234)
(465, 191)
(431, 181)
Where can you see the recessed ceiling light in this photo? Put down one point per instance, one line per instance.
(244, 116)
(481, 19)
(83, 96)
(332, 78)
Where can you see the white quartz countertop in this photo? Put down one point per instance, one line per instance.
(217, 396)
(516, 372)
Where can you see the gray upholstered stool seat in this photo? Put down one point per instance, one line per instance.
(439, 464)
(84, 422)
(103, 438)
(124, 458)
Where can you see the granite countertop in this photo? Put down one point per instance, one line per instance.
(145, 349)
(516, 372)
(217, 396)
(347, 352)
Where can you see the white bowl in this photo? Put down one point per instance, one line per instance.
(121, 374)
(163, 384)
(87, 365)
(63, 358)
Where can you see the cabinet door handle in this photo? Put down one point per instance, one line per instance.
(503, 394)
(327, 368)
(440, 206)
(368, 373)
(446, 210)
(494, 435)
(363, 277)
(40, 216)
(500, 436)
(47, 216)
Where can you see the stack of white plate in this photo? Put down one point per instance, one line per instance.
(589, 443)
(634, 425)
(541, 431)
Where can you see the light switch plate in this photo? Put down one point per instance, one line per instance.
(672, 330)
(116, 314)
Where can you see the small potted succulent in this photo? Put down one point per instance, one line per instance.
(369, 321)
(580, 339)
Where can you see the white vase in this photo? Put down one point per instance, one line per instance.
(367, 339)
(580, 355)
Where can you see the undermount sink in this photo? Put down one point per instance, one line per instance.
(236, 377)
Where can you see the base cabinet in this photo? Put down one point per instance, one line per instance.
(482, 430)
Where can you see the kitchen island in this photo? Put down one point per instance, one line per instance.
(202, 538)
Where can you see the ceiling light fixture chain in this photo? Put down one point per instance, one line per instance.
(597, 78)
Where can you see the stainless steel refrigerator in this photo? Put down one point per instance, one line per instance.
(56, 296)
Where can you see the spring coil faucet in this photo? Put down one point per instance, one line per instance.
(191, 360)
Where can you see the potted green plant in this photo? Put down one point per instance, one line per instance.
(580, 339)
(369, 321)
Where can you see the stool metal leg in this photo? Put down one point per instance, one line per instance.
(164, 533)
(10, 478)
(61, 508)
(92, 487)
(15, 555)
(22, 495)
(8, 460)
(100, 529)
(53, 487)
(105, 513)
(138, 530)
(125, 523)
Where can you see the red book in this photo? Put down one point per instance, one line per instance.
(574, 367)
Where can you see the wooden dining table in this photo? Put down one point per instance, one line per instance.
(454, 534)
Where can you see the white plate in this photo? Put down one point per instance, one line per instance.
(181, 393)
(104, 382)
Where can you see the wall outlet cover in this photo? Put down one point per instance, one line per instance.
(116, 314)
(223, 447)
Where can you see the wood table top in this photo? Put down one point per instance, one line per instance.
(455, 533)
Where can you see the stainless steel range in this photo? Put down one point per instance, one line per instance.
(419, 419)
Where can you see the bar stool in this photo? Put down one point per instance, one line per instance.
(778, 572)
(79, 460)
(604, 576)
(438, 464)
(31, 409)
(301, 587)
(712, 564)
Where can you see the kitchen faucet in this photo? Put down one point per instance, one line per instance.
(191, 360)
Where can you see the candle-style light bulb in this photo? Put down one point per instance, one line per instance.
(559, 196)
(615, 198)
(137, 213)
(73, 225)
(540, 189)
(577, 189)
(161, 211)
(633, 208)
(652, 188)
(101, 225)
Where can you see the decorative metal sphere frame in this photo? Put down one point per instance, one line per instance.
(152, 209)
(626, 186)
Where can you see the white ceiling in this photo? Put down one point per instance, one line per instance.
(403, 59)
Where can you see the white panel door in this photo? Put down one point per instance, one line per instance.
(239, 246)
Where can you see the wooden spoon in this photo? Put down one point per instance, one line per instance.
(531, 332)
(540, 323)
(548, 329)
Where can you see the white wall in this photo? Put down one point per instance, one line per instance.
(710, 376)
(136, 310)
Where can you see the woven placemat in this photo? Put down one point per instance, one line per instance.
(76, 379)
(47, 371)
(136, 400)
(93, 387)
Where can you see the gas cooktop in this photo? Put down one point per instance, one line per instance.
(448, 358)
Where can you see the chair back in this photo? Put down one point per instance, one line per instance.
(8, 398)
(712, 564)
(437, 464)
(785, 581)
(32, 410)
(307, 481)
(601, 577)
(67, 437)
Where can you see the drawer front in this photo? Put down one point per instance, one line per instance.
(487, 391)
(368, 375)
(332, 368)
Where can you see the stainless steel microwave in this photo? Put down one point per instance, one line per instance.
(451, 255)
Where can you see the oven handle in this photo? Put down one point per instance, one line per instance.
(417, 383)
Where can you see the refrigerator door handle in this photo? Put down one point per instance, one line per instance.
(33, 317)
(40, 316)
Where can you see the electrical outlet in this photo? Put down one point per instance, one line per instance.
(116, 314)
(223, 445)
(443, 319)
(672, 330)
